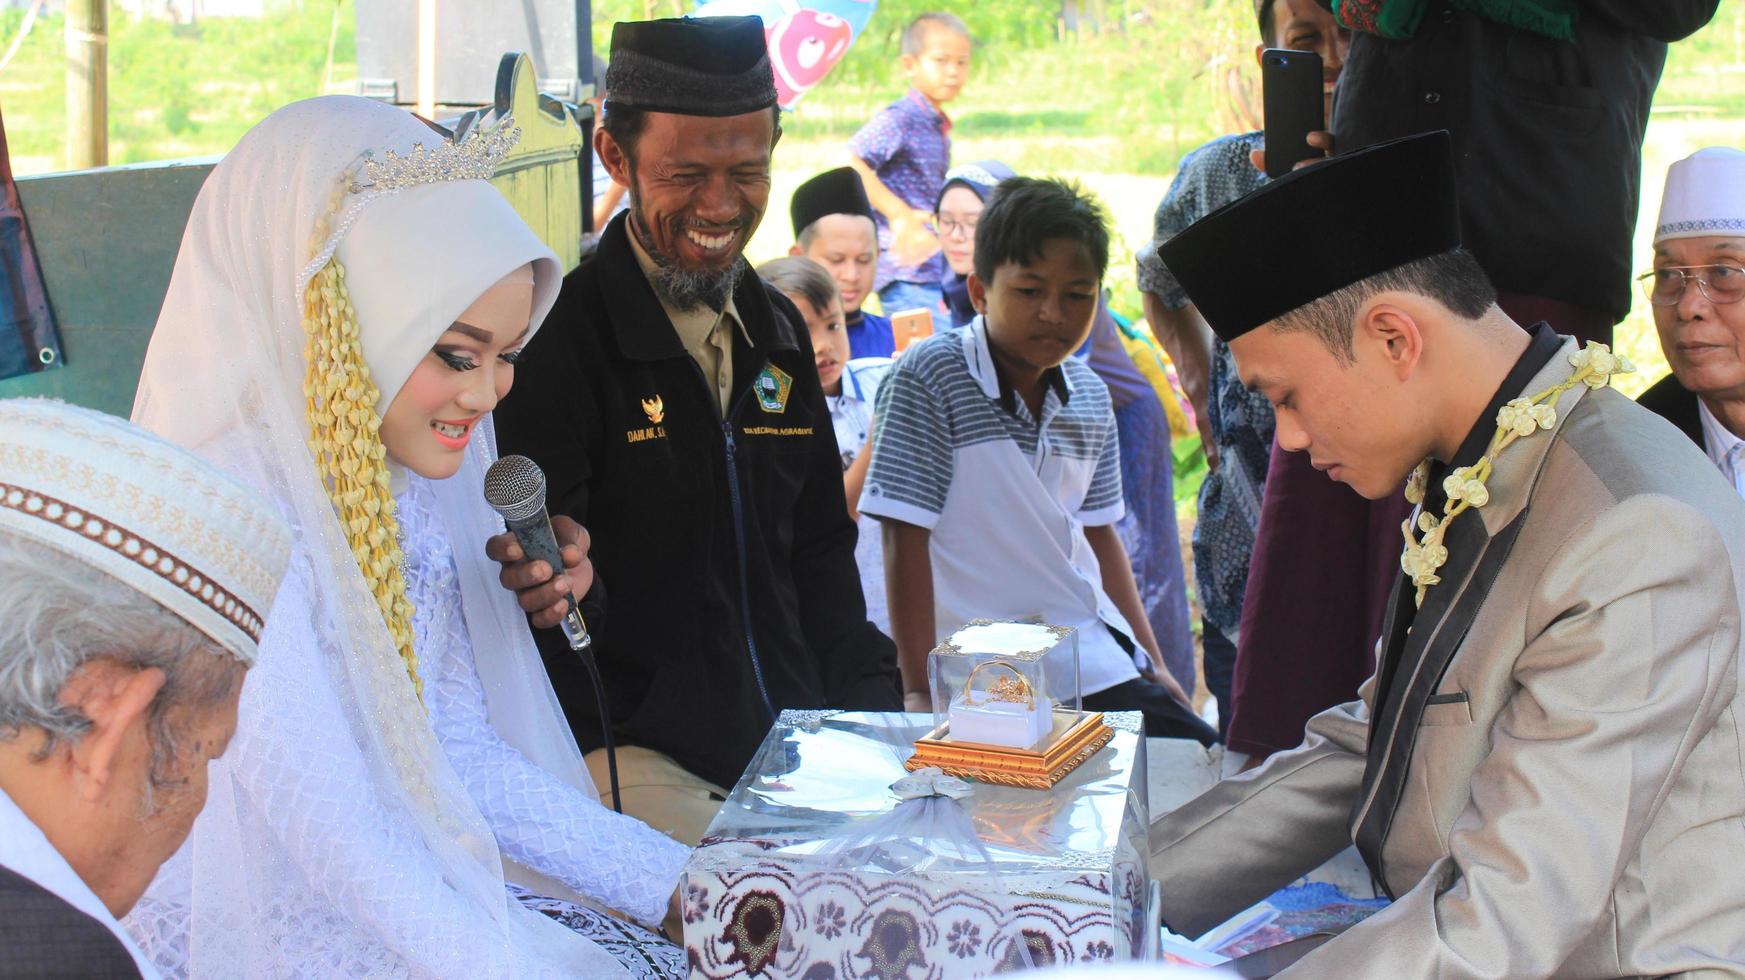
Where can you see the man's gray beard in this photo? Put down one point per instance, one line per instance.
(684, 289)
(681, 288)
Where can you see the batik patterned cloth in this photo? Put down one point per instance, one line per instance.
(646, 954)
(1241, 420)
(772, 921)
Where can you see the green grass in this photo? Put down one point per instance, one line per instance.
(1115, 108)
(173, 91)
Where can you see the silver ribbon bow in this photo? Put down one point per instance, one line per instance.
(931, 781)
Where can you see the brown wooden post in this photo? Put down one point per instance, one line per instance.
(87, 84)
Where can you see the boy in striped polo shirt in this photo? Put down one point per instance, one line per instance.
(996, 471)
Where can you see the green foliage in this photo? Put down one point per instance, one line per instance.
(1189, 471)
(1144, 77)
(1115, 104)
(1705, 73)
(175, 91)
(1136, 86)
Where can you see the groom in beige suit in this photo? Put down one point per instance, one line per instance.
(1546, 771)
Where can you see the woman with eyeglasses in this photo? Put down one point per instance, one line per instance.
(1695, 290)
(961, 200)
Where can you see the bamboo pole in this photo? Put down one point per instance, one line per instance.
(87, 84)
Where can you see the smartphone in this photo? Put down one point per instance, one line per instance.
(1292, 90)
(910, 326)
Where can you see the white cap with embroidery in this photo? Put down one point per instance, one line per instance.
(150, 514)
(1705, 195)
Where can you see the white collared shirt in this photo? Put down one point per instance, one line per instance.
(1006, 496)
(25, 850)
(1725, 448)
(851, 415)
(851, 412)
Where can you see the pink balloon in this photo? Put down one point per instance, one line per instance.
(803, 47)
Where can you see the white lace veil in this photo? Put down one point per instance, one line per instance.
(337, 840)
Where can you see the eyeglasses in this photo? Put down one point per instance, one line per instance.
(1721, 284)
(949, 227)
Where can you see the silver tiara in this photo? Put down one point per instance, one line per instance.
(473, 157)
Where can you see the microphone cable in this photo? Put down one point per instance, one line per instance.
(587, 655)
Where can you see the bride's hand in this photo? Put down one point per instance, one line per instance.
(541, 595)
(674, 926)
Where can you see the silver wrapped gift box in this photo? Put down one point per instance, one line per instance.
(817, 868)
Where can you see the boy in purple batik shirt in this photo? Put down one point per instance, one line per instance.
(902, 155)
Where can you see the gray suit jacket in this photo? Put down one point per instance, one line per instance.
(1554, 781)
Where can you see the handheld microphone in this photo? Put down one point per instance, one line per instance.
(515, 489)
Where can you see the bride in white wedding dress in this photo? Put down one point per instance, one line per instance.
(403, 796)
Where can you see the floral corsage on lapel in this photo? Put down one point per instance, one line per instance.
(1465, 485)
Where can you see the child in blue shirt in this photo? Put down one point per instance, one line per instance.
(834, 227)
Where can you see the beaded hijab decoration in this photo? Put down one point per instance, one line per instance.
(344, 422)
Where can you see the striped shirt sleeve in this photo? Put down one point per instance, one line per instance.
(1103, 501)
(911, 468)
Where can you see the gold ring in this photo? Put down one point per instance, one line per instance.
(1015, 689)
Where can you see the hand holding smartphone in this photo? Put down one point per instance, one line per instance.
(1291, 86)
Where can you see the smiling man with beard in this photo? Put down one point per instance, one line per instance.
(674, 407)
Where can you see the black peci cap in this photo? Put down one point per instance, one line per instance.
(1325, 227)
(836, 191)
(693, 66)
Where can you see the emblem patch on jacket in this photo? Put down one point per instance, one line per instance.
(772, 386)
(655, 409)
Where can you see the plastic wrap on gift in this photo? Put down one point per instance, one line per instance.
(1006, 681)
(1006, 706)
(830, 860)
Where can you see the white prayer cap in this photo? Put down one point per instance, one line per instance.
(1705, 195)
(161, 520)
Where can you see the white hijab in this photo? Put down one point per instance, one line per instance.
(252, 894)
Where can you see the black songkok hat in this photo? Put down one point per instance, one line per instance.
(836, 191)
(694, 66)
(1317, 230)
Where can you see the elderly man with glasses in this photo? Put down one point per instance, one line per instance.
(1696, 288)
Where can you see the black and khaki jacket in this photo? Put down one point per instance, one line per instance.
(725, 544)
